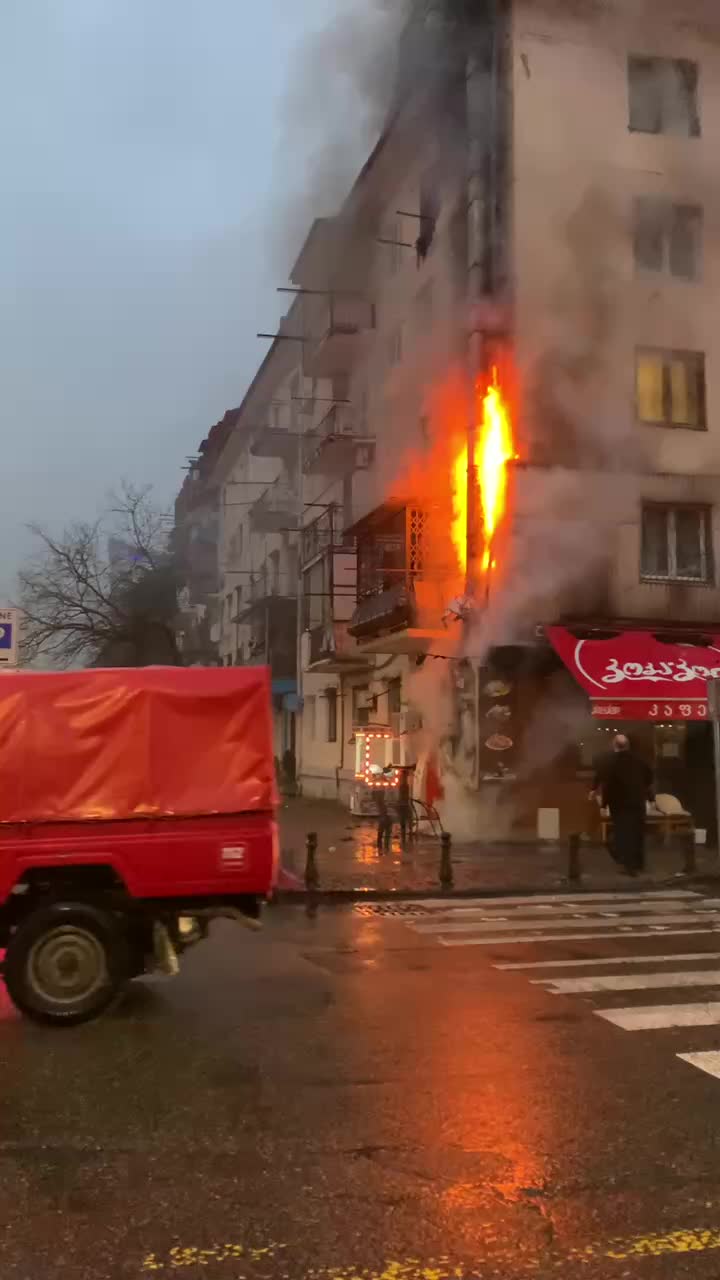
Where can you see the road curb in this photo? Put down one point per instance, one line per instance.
(338, 897)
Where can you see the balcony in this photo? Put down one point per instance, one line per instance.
(276, 510)
(338, 445)
(333, 651)
(335, 343)
(397, 611)
(275, 442)
(273, 633)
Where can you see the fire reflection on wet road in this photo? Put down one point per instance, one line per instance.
(343, 1099)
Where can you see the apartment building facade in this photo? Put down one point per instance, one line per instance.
(546, 207)
(539, 209)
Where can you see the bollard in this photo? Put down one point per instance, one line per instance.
(312, 879)
(689, 863)
(446, 871)
(574, 872)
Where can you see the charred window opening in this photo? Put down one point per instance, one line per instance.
(668, 237)
(663, 96)
(676, 544)
(670, 388)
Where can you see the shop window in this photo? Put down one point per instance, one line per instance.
(332, 716)
(668, 238)
(676, 543)
(663, 96)
(670, 388)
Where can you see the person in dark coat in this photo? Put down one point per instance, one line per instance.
(404, 803)
(625, 784)
(384, 817)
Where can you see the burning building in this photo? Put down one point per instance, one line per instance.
(504, 345)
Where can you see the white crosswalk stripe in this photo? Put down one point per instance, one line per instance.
(557, 920)
(629, 982)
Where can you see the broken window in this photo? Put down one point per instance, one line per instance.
(676, 543)
(663, 96)
(670, 388)
(668, 237)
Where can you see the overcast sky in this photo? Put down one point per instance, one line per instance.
(145, 152)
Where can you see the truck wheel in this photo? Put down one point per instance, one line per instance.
(66, 962)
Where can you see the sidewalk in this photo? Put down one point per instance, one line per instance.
(348, 861)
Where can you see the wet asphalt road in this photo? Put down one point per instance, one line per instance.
(341, 1098)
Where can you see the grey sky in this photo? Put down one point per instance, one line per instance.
(144, 143)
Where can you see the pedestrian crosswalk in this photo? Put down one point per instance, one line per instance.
(553, 922)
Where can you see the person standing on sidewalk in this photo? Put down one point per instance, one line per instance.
(384, 825)
(404, 804)
(625, 784)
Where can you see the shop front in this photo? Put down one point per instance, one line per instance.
(654, 690)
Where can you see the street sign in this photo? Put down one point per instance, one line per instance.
(9, 634)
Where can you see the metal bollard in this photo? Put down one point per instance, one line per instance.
(446, 871)
(312, 879)
(689, 861)
(574, 873)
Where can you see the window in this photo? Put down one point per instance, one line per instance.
(228, 606)
(332, 699)
(395, 697)
(668, 237)
(677, 543)
(670, 388)
(663, 96)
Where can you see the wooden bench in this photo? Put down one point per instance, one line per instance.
(667, 824)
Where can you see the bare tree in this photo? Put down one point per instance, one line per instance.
(102, 594)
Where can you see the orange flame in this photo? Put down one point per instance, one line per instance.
(493, 450)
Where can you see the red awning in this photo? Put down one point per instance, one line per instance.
(636, 677)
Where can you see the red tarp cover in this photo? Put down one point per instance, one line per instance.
(635, 677)
(132, 743)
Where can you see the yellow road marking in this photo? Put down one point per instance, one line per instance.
(618, 1249)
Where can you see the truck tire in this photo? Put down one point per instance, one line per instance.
(66, 962)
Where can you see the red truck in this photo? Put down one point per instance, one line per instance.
(135, 806)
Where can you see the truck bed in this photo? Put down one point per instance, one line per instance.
(205, 856)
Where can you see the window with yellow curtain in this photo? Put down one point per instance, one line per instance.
(670, 388)
(650, 392)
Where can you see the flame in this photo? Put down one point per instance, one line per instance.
(493, 450)
(458, 527)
